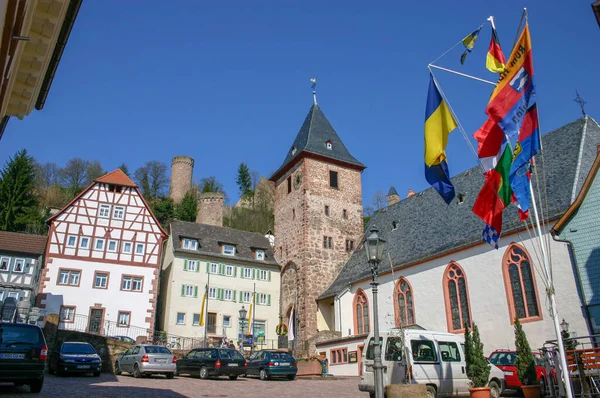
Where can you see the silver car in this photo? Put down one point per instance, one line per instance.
(144, 359)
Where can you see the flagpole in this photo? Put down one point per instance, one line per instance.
(253, 318)
(463, 74)
(206, 312)
(551, 295)
(523, 16)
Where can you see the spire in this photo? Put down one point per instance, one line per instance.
(581, 102)
(314, 89)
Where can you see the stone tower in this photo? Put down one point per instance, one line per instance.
(210, 208)
(181, 177)
(318, 218)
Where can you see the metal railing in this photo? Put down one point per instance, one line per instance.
(85, 324)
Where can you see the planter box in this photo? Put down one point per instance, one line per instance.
(406, 391)
(309, 368)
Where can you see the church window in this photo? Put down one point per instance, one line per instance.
(361, 313)
(404, 306)
(333, 179)
(326, 210)
(519, 281)
(456, 292)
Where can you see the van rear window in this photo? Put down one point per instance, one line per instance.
(423, 351)
(371, 347)
(393, 349)
(13, 333)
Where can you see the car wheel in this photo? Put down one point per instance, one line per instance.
(136, 371)
(494, 389)
(35, 386)
(431, 392)
(233, 377)
(170, 375)
(291, 377)
(117, 368)
(203, 373)
(96, 374)
(263, 375)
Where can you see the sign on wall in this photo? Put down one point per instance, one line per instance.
(352, 357)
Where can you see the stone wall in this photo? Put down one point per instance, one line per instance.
(181, 177)
(210, 208)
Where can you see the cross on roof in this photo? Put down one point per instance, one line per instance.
(581, 102)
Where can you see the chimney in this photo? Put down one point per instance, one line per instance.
(210, 208)
(410, 193)
(393, 196)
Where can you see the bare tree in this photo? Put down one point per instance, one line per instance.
(74, 175)
(152, 178)
(379, 200)
(47, 175)
(93, 171)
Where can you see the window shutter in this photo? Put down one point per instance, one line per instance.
(195, 291)
(269, 276)
(182, 290)
(234, 294)
(221, 269)
(220, 294)
(268, 299)
(253, 274)
(242, 272)
(185, 264)
(197, 266)
(235, 272)
(207, 267)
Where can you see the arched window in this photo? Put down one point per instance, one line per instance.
(361, 313)
(456, 292)
(519, 281)
(403, 304)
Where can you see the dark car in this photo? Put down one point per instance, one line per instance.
(269, 363)
(23, 354)
(125, 339)
(75, 357)
(207, 362)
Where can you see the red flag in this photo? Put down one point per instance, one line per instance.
(490, 137)
(488, 205)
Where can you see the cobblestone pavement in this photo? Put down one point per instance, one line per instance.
(126, 386)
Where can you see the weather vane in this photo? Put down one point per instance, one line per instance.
(314, 89)
(581, 102)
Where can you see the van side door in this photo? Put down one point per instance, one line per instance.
(454, 372)
(395, 372)
(426, 367)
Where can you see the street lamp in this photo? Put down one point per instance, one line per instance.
(564, 326)
(374, 250)
(243, 313)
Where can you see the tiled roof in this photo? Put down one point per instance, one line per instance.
(209, 237)
(22, 243)
(116, 177)
(426, 227)
(315, 133)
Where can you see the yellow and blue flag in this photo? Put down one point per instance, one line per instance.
(439, 122)
(469, 43)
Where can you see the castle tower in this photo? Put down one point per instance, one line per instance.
(318, 217)
(181, 177)
(392, 196)
(210, 208)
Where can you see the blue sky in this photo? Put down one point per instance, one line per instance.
(228, 81)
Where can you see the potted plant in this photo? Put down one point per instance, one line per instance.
(478, 367)
(525, 364)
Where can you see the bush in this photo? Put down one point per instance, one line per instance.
(478, 367)
(525, 362)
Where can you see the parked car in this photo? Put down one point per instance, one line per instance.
(23, 353)
(145, 359)
(269, 363)
(505, 360)
(75, 357)
(207, 362)
(126, 339)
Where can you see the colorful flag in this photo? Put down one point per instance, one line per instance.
(495, 61)
(202, 309)
(250, 315)
(490, 137)
(490, 236)
(291, 330)
(514, 92)
(469, 43)
(439, 122)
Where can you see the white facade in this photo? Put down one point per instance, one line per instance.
(348, 356)
(103, 259)
(488, 294)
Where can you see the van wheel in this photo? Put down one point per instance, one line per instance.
(494, 389)
(431, 392)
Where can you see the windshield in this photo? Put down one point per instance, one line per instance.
(153, 349)
(503, 358)
(77, 349)
(281, 356)
(230, 354)
(10, 333)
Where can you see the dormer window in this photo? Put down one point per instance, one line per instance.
(229, 250)
(189, 244)
(260, 254)
(294, 149)
(329, 145)
(394, 225)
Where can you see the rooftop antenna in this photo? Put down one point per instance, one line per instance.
(580, 101)
(314, 89)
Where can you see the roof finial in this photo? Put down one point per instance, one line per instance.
(581, 102)
(314, 89)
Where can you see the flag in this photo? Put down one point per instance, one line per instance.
(489, 137)
(291, 326)
(250, 315)
(514, 92)
(495, 61)
(490, 236)
(439, 122)
(314, 83)
(202, 309)
(469, 43)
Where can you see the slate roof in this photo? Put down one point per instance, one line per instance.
(312, 138)
(22, 243)
(447, 228)
(209, 237)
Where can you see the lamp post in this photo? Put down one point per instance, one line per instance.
(243, 313)
(374, 249)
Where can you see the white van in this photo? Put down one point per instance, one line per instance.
(436, 359)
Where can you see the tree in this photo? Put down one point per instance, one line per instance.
(187, 210)
(152, 178)
(525, 362)
(124, 169)
(379, 200)
(18, 203)
(93, 171)
(244, 181)
(46, 175)
(478, 367)
(211, 184)
(74, 175)
(164, 210)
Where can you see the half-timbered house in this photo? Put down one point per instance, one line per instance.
(102, 260)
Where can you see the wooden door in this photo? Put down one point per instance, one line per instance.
(360, 352)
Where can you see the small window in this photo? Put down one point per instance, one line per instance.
(349, 245)
(104, 211)
(192, 265)
(181, 318)
(228, 295)
(394, 225)
(327, 242)
(196, 320)
(229, 250)
(188, 291)
(226, 321)
(339, 356)
(67, 314)
(248, 273)
(190, 244)
(113, 246)
(333, 179)
(229, 270)
(263, 275)
(326, 210)
(71, 241)
(329, 145)
(127, 247)
(423, 351)
(119, 212)
(449, 351)
(293, 214)
(294, 149)
(124, 318)
(4, 263)
(84, 242)
(69, 277)
(101, 280)
(214, 268)
(289, 184)
(132, 283)
(262, 299)
(260, 254)
(247, 297)
(19, 265)
(126, 283)
(345, 214)
(99, 244)
(139, 248)
(137, 284)
(212, 292)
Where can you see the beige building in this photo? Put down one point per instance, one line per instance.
(231, 265)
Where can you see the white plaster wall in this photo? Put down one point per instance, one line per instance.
(346, 369)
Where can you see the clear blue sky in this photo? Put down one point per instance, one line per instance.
(228, 81)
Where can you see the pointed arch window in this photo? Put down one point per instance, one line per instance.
(456, 292)
(403, 303)
(361, 313)
(519, 281)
